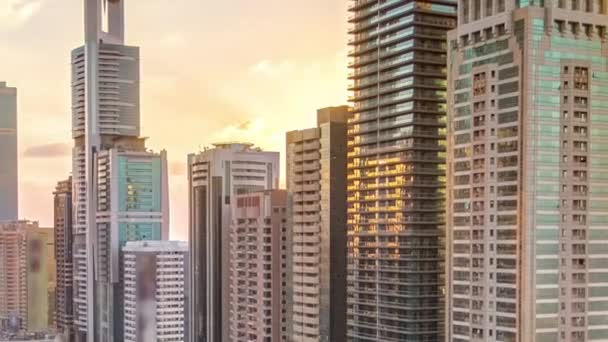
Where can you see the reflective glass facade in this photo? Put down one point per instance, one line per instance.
(396, 170)
(8, 153)
(131, 199)
(526, 180)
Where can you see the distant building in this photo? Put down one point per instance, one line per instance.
(258, 267)
(9, 200)
(216, 176)
(26, 277)
(64, 312)
(156, 291)
(316, 180)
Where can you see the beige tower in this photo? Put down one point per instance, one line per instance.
(527, 174)
(27, 278)
(316, 180)
(258, 275)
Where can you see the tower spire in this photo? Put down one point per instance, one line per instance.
(104, 21)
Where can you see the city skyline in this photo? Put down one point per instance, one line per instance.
(455, 191)
(285, 76)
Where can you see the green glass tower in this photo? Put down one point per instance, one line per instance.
(528, 172)
(131, 206)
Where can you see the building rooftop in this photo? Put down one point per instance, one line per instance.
(156, 246)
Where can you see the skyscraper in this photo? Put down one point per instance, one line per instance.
(316, 180)
(396, 169)
(64, 303)
(258, 267)
(119, 188)
(156, 291)
(216, 176)
(528, 162)
(9, 200)
(132, 200)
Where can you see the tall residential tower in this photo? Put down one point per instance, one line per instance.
(216, 176)
(27, 271)
(396, 171)
(8, 154)
(316, 181)
(258, 276)
(64, 303)
(528, 172)
(156, 291)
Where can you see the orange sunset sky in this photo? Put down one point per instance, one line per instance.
(212, 70)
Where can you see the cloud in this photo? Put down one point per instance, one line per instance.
(245, 125)
(271, 68)
(48, 151)
(247, 131)
(15, 13)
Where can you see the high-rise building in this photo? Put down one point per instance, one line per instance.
(13, 282)
(258, 267)
(26, 276)
(216, 176)
(119, 188)
(156, 291)
(8, 154)
(528, 172)
(396, 169)
(64, 304)
(316, 181)
(131, 206)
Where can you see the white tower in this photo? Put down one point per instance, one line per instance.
(106, 122)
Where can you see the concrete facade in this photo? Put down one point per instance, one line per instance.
(26, 277)
(316, 182)
(64, 303)
(156, 291)
(258, 267)
(215, 177)
(527, 151)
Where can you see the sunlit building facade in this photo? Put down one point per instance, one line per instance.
(527, 172)
(396, 169)
(316, 182)
(216, 176)
(8, 154)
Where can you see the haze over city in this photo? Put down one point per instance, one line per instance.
(212, 71)
(342, 171)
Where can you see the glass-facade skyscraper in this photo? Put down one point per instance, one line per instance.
(8, 154)
(528, 172)
(396, 171)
